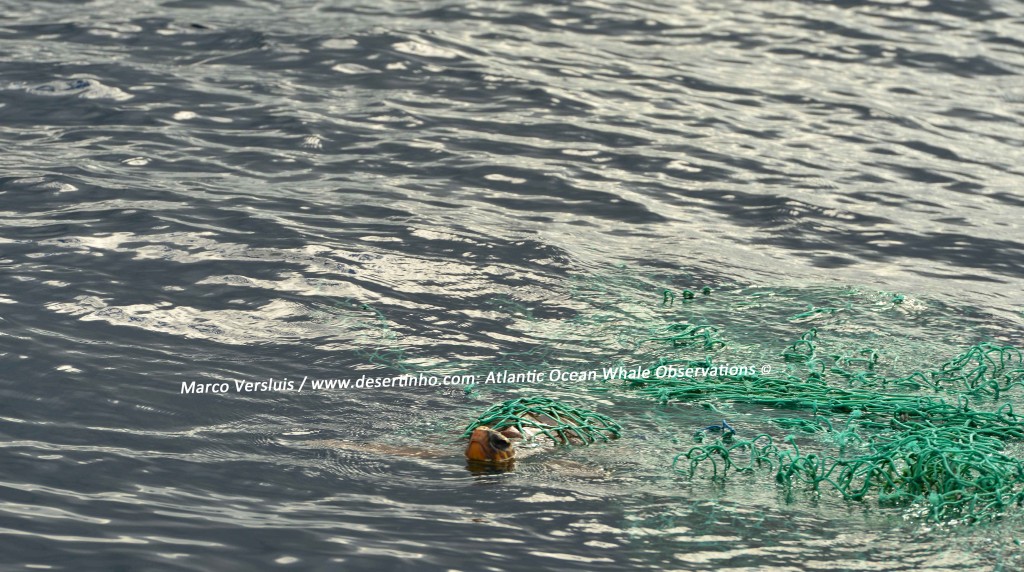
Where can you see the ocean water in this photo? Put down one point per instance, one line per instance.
(217, 191)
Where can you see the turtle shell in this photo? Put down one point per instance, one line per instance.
(535, 416)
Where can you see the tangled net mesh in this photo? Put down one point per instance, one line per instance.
(560, 422)
(936, 437)
(943, 438)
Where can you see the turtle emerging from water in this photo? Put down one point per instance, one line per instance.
(493, 436)
(527, 424)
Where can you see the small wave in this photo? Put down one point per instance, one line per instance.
(81, 87)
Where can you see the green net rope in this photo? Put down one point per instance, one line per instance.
(939, 438)
(556, 420)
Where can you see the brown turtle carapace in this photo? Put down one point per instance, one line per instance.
(495, 435)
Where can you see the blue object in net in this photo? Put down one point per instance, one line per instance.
(723, 428)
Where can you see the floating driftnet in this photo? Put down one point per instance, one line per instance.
(938, 437)
(560, 422)
(886, 400)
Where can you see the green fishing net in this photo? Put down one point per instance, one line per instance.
(866, 405)
(943, 438)
(560, 422)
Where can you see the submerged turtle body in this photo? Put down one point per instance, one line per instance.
(534, 419)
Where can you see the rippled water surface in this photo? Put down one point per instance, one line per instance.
(223, 190)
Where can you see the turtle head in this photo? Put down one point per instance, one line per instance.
(489, 446)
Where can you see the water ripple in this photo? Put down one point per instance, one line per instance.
(224, 191)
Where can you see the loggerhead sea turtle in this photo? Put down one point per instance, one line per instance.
(495, 435)
(510, 430)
